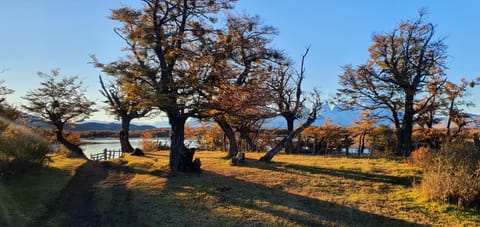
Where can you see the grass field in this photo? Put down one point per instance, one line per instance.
(295, 190)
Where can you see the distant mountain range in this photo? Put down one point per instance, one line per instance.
(335, 114)
(345, 118)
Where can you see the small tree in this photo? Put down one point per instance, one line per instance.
(7, 111)
(4, 91)
(59, 102)
(126, 106)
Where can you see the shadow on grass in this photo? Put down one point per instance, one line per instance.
(231, 193)
(348, 174)
(75, 205)
(23, 196)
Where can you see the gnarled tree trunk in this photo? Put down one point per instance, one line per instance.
(177, 139)
(124, 136)
(70, 146)
(290, 121)
(228, 130)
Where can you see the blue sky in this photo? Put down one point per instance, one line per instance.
(39, 35)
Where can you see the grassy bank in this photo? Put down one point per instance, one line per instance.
(296, 190)
(24, 198)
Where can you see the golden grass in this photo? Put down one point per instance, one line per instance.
(295, 190)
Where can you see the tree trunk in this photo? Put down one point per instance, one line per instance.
(124, 136)
(269, 155)
(250, 144)
(228, 130)
(407, 128)
(177, 148)
(372, 145)
(224, 141)
(289, 146)
(362, 143)
(70, 146)
(347, 145)
(450, 112)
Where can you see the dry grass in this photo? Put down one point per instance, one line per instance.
(452, 175)
(295, 190)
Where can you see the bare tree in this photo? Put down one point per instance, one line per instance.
(312, 116)
(288, 95)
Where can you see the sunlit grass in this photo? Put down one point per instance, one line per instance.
(295, 190)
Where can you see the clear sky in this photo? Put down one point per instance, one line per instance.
(39, 35)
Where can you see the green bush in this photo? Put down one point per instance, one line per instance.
(452, 175)
(21, 151)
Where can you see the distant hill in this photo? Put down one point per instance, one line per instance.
(97, 126)
(84, 126)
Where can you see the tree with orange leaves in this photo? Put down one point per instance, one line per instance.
(239, 95)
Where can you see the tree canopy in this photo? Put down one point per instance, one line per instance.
(60, 102)
(403, 65)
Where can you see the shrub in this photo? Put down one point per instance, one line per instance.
(73, 137)
(21, 151)
(147, 143)
(419, 157)
(452, 175)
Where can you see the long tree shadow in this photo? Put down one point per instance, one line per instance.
(344, 173)
(76, 206)
(231, 192)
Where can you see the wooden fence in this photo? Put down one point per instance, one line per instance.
(106, 155)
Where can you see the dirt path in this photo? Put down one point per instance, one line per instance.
(78, 206)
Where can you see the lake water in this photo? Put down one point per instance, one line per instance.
(95, 146)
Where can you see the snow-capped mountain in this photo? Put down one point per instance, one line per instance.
(334, 114)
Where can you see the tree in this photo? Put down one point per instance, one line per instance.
(361, 129)
(312, 116)
(166, 42)
(125, 105)
(4, 91)
(7, 111)
(403, 63)
(238, 95)
(288, 95)
(59, 102)
(453, 102)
